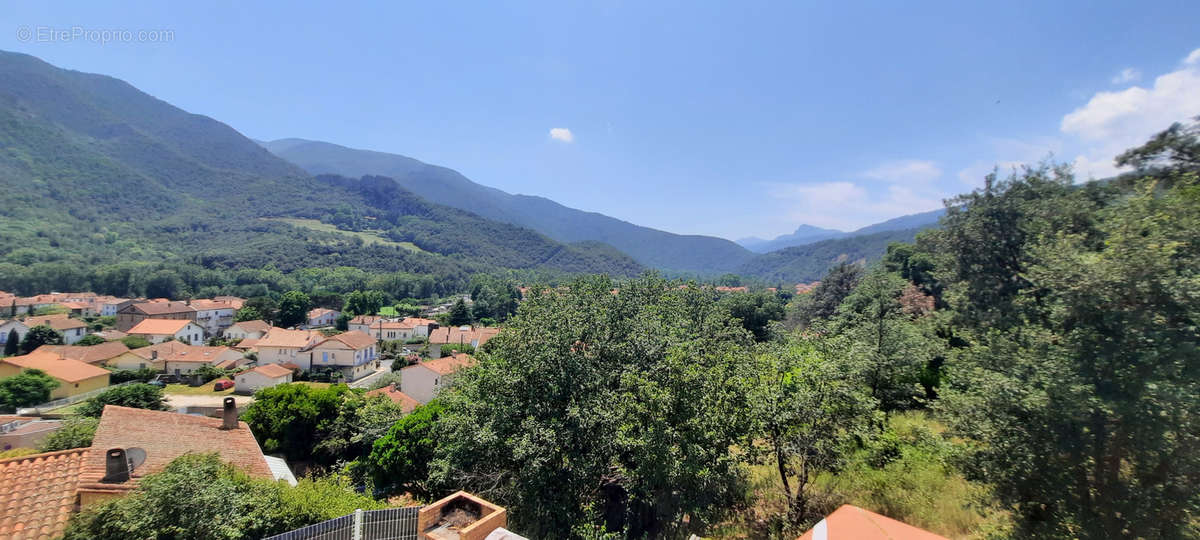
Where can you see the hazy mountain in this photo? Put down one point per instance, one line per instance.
(810, 262)
(911, 221)
(659, 249)
(94, 171)
(805, 234)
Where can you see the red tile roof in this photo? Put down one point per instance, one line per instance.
(94, 354)
(252, 326)
(454, 335)
(159, 327)
(853, 523)
(406, 402)
(58, 323)
(273, 371)
(39, 493)
(204, 304)
(354, 339)
(60, 368)
(319, 312)
(165, 436)
(449, 364)
(160, 308)
(174, 351)
(279, 337)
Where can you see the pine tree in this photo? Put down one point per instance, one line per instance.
(12, 346)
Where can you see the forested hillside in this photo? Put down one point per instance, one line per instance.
(96, 175)
(808, 262)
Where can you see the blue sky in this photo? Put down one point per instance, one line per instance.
(730, 119)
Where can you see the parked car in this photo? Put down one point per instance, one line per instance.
(165, 378)
(157, 383)
(224, 384)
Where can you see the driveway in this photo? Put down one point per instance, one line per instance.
(385, 366)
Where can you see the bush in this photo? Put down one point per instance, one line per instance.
(30, 387)
(135, 342)
(450, 349)
(138, 396)
(125, 375)
(76, 432)
(386, 379)
(89, 340)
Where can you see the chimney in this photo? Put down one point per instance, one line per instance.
(229, 416)
(116, 466)
(154, 355)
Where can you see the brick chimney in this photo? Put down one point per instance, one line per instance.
(229, 416)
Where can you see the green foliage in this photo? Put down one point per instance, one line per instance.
(584, 383)
(247, 313)
(135, 342)
(38, 336)
(363, 303)
(756, 311)
(199, 496)
(823, 301)
(29, 387)
(342, 323)
(138, 396)
(76, 432)
(802, 264)
(293, 309)
(208, 373)
(292, 418)
(12, 346)
(1175, 149)
(450, 349)
(359, 422)
(89, 340)
(494, 297)
(399, 461)
(124, 375)
(459, 314)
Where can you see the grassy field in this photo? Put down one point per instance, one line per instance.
(202, 390)
(368, 237)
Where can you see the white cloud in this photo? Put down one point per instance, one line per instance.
(1111, 122)
(562, 134)
(1127, 75)
(905, 171)
(846, 205)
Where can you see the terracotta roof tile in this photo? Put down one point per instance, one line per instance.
(94, 354)
(174, 351)
(160, 308)
(58, 323)
(154, 327)
(64, 369)
(279, 337)
(273, 371)
(165, 436)
(39, 493)
(448, 364)
(450, 335)
(850, 522)
(354, 339)
(406, 402)
(205, 304)
(252, 326)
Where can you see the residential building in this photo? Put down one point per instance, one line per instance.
(130, 315)
(363, 323)
(72, 330)
(6, 327)
(421, 327)
(264, 376)
(74, 377)
(97, 355)
(213, 315)
(110, 305)
(160, 330)
(850, 522)
(321, 317)
(353, 353)
(450, 336)
(392, 391)
(281, 346)
(39, 493)
(247, 330)
(392, 330)
(163, 436)
(422, 381)
(80, 309)
(25, 431)
(178, 358)
(234, 301)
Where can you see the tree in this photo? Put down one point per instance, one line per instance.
(342, 322)
(247, 313)
(293, 309)
(135, 342)
(138, 396)
(459, 314)
(598, 404)
(1175, 149)
(268, 309)
(89, 340)
(290, 418)
(30, 387)
(363, 303)
(200, 496)
(823, 301)
(13, 345)
(810, 410)
(1082, 409)
(756, 312)
(76, 432)
(359, 422)
(399, 461)
(38, 336)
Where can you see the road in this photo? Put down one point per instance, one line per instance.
(385, 366)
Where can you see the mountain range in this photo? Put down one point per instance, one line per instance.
(808, 234)
(93, 171)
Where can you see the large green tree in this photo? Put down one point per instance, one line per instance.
(38, 336)
(823, 301)
(756, 311)
(291, 418)
(293, 309)
(1079, 388)
(13, 344)
(30, 387)
(594, 407)
(363, 303)
(459, 314)
(399, 461)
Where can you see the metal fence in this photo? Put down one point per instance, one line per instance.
(63, 402)
(387, 524)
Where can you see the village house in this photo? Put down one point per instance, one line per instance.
(80, 309)
(213, 315)
(97, 355)
(178, 358)
(110, 305)
(72, 330)
(461, 335)
(392, 330)
(321, 317)
(282, 346)
(423, 380)
(255, 329)
(353, 353)
(160, 330)
(392, 391)
(74, 377)
(421, 327)
(130, 315)
(264, 376)
(25, 431)
(6, 328)
(363, 323)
